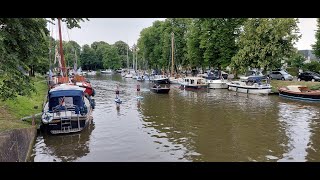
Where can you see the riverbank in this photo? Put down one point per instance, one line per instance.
(17, 136)
(278, 83)
(11, 111)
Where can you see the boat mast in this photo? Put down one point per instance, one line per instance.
(136, 60)
(128, 56)
(75, 65)
(172, 51)
(133, 56)
(50, 52)
(61, 51)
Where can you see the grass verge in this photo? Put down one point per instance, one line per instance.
(278, 83)
(11, 111)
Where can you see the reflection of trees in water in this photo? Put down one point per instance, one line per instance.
(217, 126)
(299, 119)
(313, 149)
(69, 147)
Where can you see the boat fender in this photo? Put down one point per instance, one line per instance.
(93, 92)
(93, 103)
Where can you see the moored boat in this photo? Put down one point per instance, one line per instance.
(161, 79)
(107, 71)
(217, 79)
(299, 92)
(193, 83)
(252, 85)
(67, 110)
(160, 90)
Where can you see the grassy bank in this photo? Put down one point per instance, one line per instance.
(11, 111)
(278, 83)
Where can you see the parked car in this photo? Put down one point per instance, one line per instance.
(280, 75)
(309, 76)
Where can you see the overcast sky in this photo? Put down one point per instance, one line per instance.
(111, 30)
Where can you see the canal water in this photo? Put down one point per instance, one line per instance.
(214, 125)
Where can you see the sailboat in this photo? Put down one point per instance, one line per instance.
(173, 79)
(68, 107)
(129, 74)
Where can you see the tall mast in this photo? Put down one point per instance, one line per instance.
(136, 60)
(49, 53)
(133, 56)
(128, 56)
(75, 65)
(172, 50)
(61, 51)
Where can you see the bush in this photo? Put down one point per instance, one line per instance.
(313, 66)
(293, 71)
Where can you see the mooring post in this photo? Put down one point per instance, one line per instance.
(33, 116)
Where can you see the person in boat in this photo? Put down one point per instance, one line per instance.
(268, 80)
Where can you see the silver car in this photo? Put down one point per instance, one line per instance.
(281, 75)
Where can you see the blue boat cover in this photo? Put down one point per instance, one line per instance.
(255, 79)
(55, 98)
(69, 93)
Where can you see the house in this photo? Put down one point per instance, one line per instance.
(308, 55)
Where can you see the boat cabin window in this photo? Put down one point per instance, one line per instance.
(192, 81)
(66, 101)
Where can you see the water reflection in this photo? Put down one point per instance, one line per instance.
(216, 125)
(63, 147)
(297, 119)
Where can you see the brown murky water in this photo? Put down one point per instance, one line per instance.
(214, 125)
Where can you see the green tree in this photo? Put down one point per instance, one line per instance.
(296, 60)
(71, 50)
(122, 48)
(71, 22)
(23, 49)
(98, 60)
(111, 58)
(265, 42)
(313, 66)
(316, 46)
(88, 57)
(194, 52)
(21, 46)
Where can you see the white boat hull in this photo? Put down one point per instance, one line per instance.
(128, 76)
(217, 84)
(262, 89)
(175, 81)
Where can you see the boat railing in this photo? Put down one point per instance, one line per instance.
(67, 117)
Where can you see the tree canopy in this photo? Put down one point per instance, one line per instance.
(316, 46)
(23, 48)
(265, 42)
